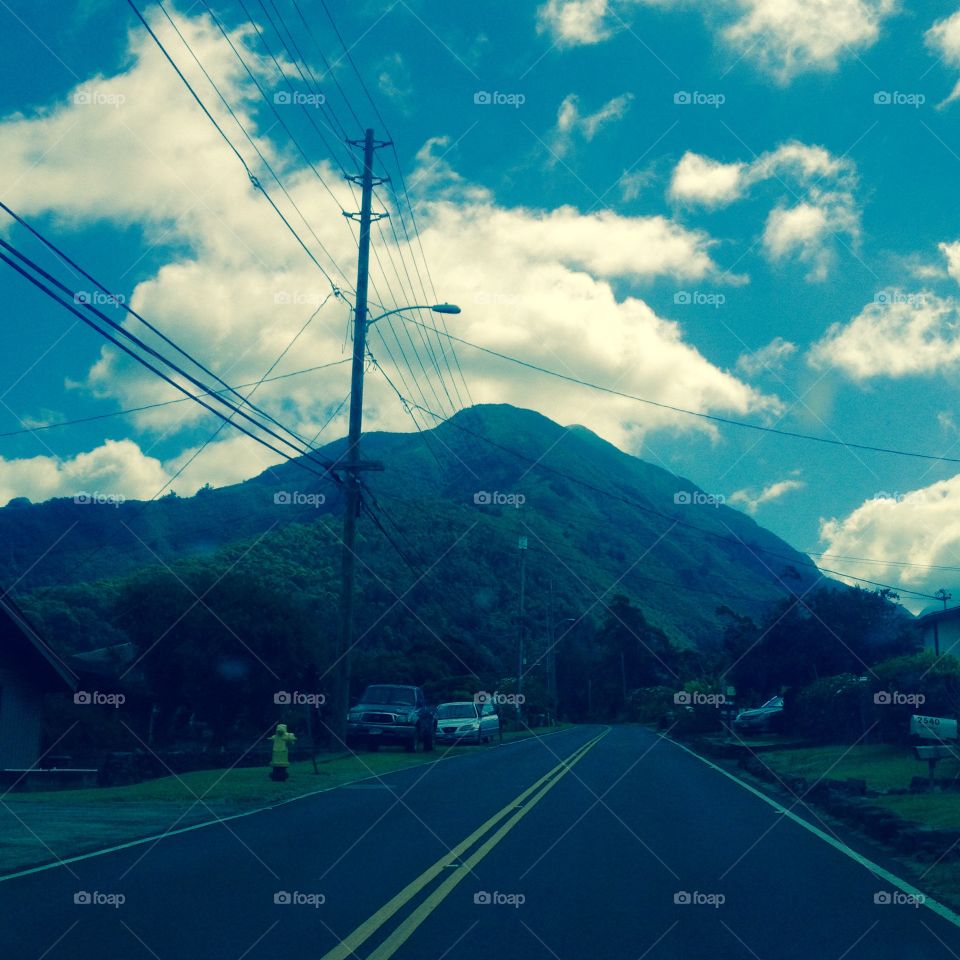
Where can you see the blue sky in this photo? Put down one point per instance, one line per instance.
(746, 208)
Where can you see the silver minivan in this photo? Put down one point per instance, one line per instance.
(466, 722)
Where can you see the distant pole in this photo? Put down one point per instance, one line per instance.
(522, 544)
(551, 661)
(350, 462)
(943, 596)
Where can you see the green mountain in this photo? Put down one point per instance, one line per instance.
(446, 515)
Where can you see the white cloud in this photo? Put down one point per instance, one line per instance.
(790, 37)
(768, 359)
(236, 287)
(920, 527)
(804, 232)
(632, 183)
(117, 469)
(753, 500)
(821, 213)
(952, 252)
(698, 179)
(905, 335)
(785, 38)
(572, 124)
(572, 23)
(944, 38)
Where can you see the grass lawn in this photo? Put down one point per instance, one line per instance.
(40, 827)
(940, 810)
(888, 767)
(883, 766)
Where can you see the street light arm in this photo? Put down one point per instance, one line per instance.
(435, 307)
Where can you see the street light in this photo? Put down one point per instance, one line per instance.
(436, 308)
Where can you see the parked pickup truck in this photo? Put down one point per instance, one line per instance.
(391, 713)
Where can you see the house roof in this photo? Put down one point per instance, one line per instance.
(936, 616)
(30, 651)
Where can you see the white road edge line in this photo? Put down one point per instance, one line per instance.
(867, 864)
(249, 813)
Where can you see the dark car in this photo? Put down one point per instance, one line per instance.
(394, 714)
(763, 719)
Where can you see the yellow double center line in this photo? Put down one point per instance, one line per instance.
(519, 807)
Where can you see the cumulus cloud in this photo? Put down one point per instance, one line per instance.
(804, 232)
(785, 38)
(943, 38)
(752, 500)
(235, 287)
(920, 527)
(572, 124)
(902, 335)
(805, 229)
(768, 359)
(700, 180)
(800, 36)
(572, 23)
(952, 253)
(117, 469)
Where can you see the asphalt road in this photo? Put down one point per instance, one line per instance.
(593, 842)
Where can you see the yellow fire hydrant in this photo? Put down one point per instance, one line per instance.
(280, 759)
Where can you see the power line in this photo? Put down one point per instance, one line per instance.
(122, 304)
(736, 541)
(166, 403)
(692, 413)
(383, 123)
(72, 307)
(257, 185)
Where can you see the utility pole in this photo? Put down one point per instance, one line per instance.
(943, 596)
(551, 661)
(522, 544)
(350, 462)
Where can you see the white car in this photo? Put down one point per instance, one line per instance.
(466, 722)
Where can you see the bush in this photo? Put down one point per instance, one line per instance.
(832, 710)
(903, 681)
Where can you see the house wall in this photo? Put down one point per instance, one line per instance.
(949, 631)
(21, 720)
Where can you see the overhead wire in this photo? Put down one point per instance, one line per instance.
(728, 421)
(538, 464)
(257, 185)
